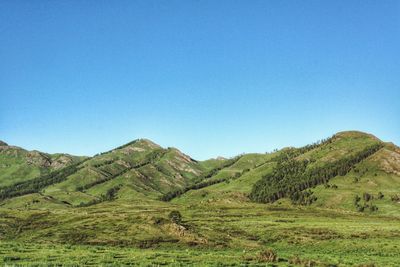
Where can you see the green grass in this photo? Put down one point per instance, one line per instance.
(18, 165)
(39, 254)
(218, 233)
(14, 169)
(172, 169)
(366, 177)
(220, 225)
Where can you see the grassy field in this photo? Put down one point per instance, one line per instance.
(210, 234)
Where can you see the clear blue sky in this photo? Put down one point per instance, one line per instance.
(208, 77)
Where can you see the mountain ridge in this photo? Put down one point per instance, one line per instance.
(141, 195)
(147, 168)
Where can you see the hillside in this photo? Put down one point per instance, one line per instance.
(138, 169)
(18, 164)
(334, 202)
(342, 145)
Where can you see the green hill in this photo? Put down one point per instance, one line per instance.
(332, 203)
(18, 165)
(382, 160)
(138, 169)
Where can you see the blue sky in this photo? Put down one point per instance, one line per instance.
(208, 77)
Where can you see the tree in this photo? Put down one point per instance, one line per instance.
(175, 216)
(294, 175)
(356, 199)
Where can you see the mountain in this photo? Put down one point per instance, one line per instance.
(376, 172)
(336, 200)
(18, 165)
(138, 169)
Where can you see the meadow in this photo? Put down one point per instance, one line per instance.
(210, 234)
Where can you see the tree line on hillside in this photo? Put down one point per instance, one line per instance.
(178, 192)
(117, 148)
(101, 164)
(149, 159)
(291, 176)
(110, 194)
(292, 152)
(203, 181)
(227, 164)
(304, 198)
(37, 184)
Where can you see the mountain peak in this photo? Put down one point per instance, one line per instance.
(143, 142)
(355, 134)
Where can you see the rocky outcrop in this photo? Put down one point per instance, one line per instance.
(61, 162)
(38, 159)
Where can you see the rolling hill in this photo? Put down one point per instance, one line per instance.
(332, 202)
(18, 164)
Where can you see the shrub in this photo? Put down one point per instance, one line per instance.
(395, 197)
(267, 255)
(175, 216)
(11, 258)
(380, 195)
(367, 197)
(356, 199)
(158, 220)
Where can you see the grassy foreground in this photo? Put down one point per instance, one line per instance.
(234, 234)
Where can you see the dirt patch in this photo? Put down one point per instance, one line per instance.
(389, 161)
